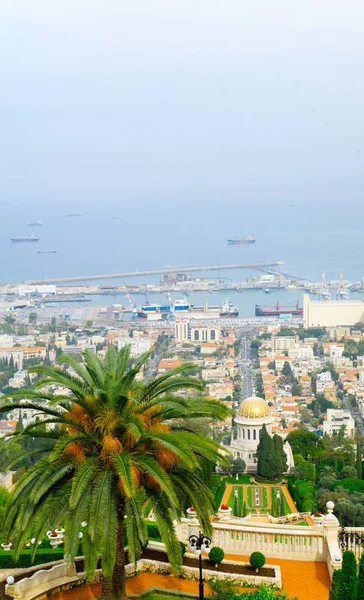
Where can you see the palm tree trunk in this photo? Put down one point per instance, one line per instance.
(114, 587)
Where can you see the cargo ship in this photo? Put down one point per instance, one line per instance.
(241, 240)
(25, 238)
(34, 224)
(277, 310)
(183, 307)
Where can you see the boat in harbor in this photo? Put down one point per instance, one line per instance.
(183, 307)
(34, 224)
(24, 238)
(241, 240)
(277, 310)
(78, 214)
(47, 251)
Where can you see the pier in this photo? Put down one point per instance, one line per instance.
(255, 266)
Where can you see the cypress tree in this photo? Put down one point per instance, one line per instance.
(348, 579)
(351, 457)
(244, 510)
(358, 461)
(269, 461)
(360, 595)
(263, 453)
(280, 453)
(335, 582)
(236, 507)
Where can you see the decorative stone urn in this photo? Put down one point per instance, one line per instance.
(54, 539)
(224, 511)
(60, 532)
(6, 545)
(317, 518)
(191, 513)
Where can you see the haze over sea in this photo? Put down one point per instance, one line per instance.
(195, 121)
(308, 233)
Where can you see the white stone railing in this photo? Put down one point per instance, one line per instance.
(285, 541)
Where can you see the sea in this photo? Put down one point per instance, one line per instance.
(313, 233)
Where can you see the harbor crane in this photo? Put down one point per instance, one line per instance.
(324, 290)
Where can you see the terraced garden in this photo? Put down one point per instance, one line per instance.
(243, 497)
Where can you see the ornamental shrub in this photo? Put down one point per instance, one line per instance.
(335, 582)
(257, 560)
(216, 555)
(360, 579)
(348, 578)
(42, 556)
(183, 548)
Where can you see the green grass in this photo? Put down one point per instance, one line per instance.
(287, 510)
(242, 479)
(302, 524)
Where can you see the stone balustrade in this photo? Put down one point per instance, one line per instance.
(284, 541)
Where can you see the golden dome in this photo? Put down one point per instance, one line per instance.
(254, 408)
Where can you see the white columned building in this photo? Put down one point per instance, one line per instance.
(252, 415)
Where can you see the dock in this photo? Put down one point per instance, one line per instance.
(254, 266)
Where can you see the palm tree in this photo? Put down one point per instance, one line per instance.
(113, 442)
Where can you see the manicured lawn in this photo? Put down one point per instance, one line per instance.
(242, 479)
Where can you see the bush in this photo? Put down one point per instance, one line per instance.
(348, 579)
(335, 582)
(153, 532)
(224, 589)
(308, 505)
(216, 554)
(257, 560)
(353, 485)
(42, 556)
(183, 548)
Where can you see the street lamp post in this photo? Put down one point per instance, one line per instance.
(198, 544)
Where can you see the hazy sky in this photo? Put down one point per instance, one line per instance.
(167, 99)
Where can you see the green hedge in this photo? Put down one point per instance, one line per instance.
(48, 554)
(43, 555)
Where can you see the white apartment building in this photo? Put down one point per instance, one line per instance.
(300, 353)
(137, 345)
(284, 342)
(323, 381)
(334, 350)
(182, 331)
(335, 419)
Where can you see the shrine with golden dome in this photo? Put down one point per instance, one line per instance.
(253, 413)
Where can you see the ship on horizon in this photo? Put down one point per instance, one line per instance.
(34, 224)
(241, 240)
(77, 214)
(24, 238)
(47, 251)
